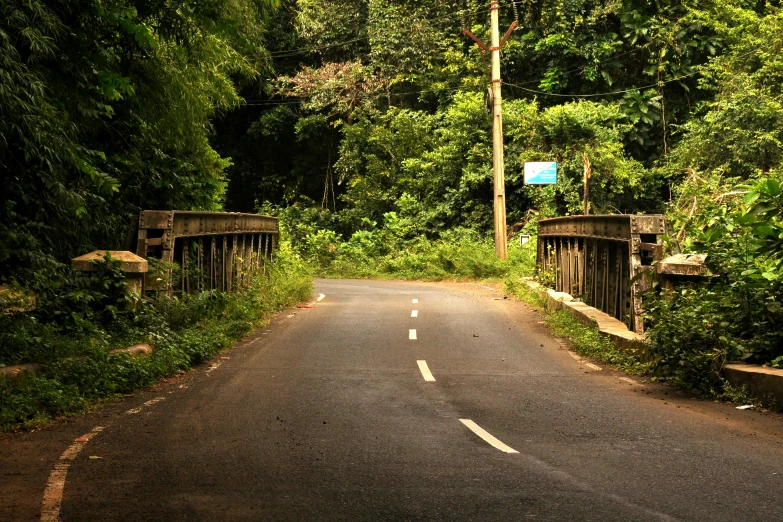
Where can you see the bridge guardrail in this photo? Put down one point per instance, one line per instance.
(214, 250)
(601, 258)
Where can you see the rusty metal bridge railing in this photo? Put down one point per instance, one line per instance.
(600, 259)
(214, 250)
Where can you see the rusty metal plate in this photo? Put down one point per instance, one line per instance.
(156, 219)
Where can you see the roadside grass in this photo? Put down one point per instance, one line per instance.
(78, 369)
(586, 340)
(461, 256)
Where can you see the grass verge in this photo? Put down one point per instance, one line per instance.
(463, 256)
(184, 331)
(585, 339)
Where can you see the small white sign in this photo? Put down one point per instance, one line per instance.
(540, 172)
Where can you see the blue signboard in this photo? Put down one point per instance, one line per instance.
(540, 172)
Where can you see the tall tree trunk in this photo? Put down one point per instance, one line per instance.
(587, 174)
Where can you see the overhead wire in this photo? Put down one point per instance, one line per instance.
(623, 91)
(288, 101)
(600, 94)
(583, 67)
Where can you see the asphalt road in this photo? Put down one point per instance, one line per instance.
(326, 415)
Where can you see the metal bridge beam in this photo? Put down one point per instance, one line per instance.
(214, 250)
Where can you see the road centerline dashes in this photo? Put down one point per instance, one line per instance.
(414, 313)
(415, 301)
(425, 371)
(487, 437)
(412, 334)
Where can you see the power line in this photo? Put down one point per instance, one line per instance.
(303, 50)
(596, 95)
(289, 101)
(642, 88)
(583, 67)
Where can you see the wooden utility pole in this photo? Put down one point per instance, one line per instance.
(501, 247)
(499, 199)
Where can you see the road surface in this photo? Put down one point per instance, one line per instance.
(401, 401)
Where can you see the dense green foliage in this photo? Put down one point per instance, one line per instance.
(105, 109)
(390, 250)
(729, 206)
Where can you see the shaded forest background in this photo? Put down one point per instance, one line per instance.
(339, 112)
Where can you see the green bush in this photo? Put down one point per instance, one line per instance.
(387, 252)
(689, 337)
(738, 314)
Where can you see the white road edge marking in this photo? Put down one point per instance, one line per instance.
(425, 371)
(148, 403)
(412, 334)
(415, 301)
(414, 313)
(320, 298)
(489, 439)
(53, 494)
(626, 379)
(593, 366)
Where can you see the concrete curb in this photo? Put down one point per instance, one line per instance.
(607, 325)
(11, 372)
(762, 382)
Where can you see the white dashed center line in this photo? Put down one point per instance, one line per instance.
(425, 371)
(412, 334)
(489, 439)
(320, 297)
(415, 301)
(414, 313)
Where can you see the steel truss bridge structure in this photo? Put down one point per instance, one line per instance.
(602, 259)
(211, 250)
